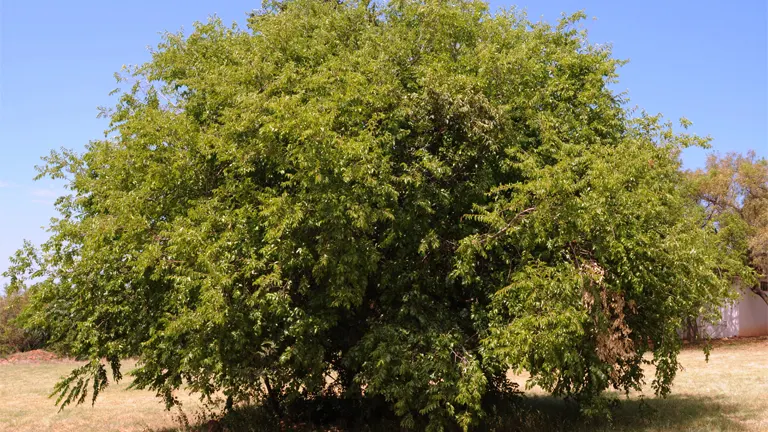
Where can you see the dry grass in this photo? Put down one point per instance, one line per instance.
(25, 406)
(729, 393)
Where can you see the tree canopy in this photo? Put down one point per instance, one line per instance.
(396, 202)
(733, 188)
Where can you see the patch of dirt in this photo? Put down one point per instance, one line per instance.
(34, 356)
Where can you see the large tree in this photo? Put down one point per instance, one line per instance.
(398, 202)
(733, 189)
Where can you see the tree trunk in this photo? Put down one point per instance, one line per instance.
(762, 294)
(272, 397)
(692, 329)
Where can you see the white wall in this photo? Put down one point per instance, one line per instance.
(753, 315)
(728, 327)
(748, 316)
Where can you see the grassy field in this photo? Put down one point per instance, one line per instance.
(25, 406)
(730, 393)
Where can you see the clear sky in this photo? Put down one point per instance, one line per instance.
(704, 60)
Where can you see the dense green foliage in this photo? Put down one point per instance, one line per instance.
(394, 203)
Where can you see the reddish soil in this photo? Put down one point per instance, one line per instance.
(34, 356)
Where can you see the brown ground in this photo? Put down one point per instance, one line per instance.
(34, 356)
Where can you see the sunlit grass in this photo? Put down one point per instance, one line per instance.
(25, 406)
(729, 393)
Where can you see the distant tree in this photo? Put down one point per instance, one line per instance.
(13, 337)
(734, 191)
(395, 203)
(13, 300)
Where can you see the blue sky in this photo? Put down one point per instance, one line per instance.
(704, 60)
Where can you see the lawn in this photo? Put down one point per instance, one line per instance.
(25, 406)
(730, 393)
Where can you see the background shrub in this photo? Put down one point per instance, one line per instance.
(13, 337)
